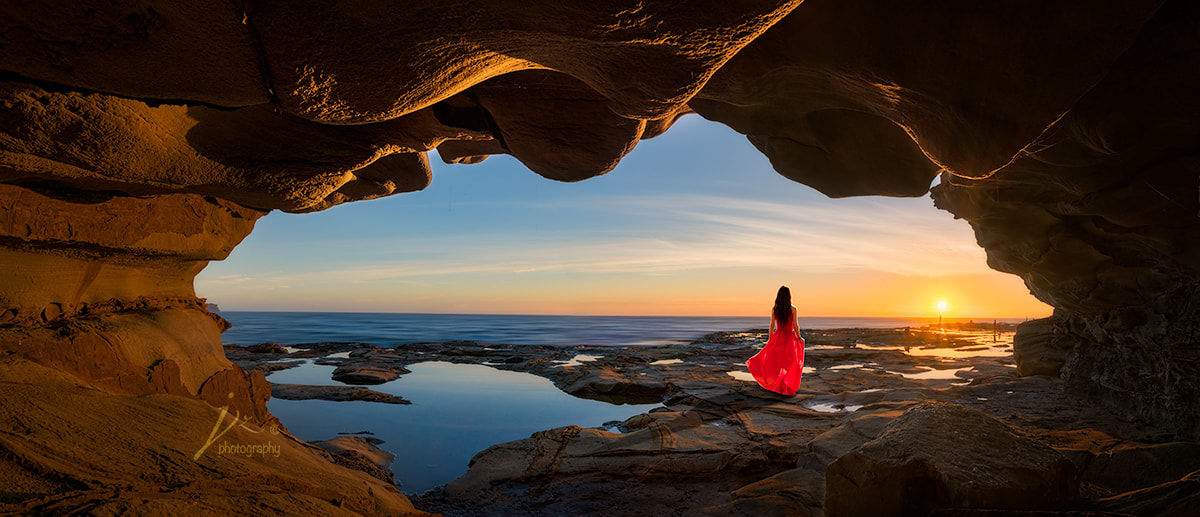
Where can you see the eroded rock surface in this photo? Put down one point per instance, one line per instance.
(139, 140)
(939, 455)
(720, 445)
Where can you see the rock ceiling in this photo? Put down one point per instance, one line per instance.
(140, 139)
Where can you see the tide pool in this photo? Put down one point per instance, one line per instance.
(457, 410)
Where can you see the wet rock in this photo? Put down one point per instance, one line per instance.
(663, 446)
(267, 348)
(360, 453)
(357, 374)
(939, 455)
(610, 385)
(333, 393)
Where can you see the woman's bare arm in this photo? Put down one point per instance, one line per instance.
(796, 322)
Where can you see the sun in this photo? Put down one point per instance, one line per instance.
(941, 306)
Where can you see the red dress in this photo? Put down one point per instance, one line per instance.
(779, 365)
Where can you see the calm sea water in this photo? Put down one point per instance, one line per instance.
(391, 329)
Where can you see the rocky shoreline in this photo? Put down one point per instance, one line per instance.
(877, 408)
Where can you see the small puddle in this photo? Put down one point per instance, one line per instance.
(960, 353)
(934, 374)
(741, 376)
(661, 362)
(833, 407)
(306, 373)
(577, 360)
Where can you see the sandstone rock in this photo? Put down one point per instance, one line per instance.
(241, 393)
(365, 446)
(939, 455)
(357, 374)
(1038, 349)
(614, 387)
(67, 250)
(252, 156)
(1107, 251)
(134, 353)
(335, 393)
(267, 348)
(671, 446)
(426, 54)
(791, 493)
(361, 453)
(857, 428)
(881, 103)
(161, 453)
(133, 136)
(135, 49)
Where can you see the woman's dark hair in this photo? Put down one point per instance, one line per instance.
(783, 305)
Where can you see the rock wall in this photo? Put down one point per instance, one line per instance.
(140, 139)
(1099, 216)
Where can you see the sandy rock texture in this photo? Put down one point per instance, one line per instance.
(888, 422)
(140, 139)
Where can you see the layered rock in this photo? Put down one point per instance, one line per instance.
(117, 393)
(140, 139)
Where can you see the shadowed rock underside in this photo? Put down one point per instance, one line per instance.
(141, 139)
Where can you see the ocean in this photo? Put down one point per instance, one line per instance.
(384, 329)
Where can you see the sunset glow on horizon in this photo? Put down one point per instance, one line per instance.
(692, 223)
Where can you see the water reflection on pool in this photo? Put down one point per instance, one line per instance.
(933, 373)
(457, 410)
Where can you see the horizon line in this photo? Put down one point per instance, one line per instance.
(218, 311)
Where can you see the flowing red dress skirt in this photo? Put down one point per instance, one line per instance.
(779, 365)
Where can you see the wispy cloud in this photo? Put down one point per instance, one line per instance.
(687, 233)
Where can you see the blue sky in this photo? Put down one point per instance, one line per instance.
(693, 222)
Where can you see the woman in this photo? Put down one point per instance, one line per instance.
(778, 366)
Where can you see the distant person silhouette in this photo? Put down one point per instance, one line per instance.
(779, 365)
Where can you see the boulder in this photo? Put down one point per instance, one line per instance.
(939, 455)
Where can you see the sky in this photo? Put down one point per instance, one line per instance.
(694, 222)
